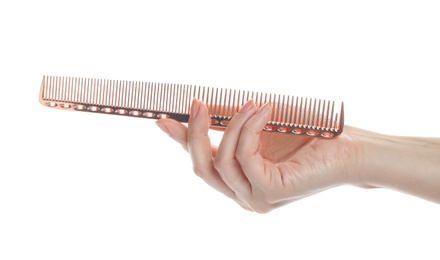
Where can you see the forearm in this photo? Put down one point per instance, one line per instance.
(407, 164)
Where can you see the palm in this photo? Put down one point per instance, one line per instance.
(277, 147)
(291, 160)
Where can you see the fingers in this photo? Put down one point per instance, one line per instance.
(195, 140)
(252, 163)
(177, 131)
(238, 165)
(199, 147)
(225, 162)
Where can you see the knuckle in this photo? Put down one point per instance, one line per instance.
(269, 195)
(243, 205)
(260, 207)
(218, 163)
(195, 133)
(198, 172)
(249, 129)
(236, 183)
(241, 154)
(194, 137)
(222, 166)
(271, 199)
(261, 210)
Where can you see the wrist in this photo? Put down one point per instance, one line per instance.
(407, 164)
(360, 145)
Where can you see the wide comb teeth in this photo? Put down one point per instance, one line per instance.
(295, 115)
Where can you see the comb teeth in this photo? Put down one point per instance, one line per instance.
(295, 115)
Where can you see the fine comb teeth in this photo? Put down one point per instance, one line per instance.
(294, 115)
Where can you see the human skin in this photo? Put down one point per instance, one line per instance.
(262, 170)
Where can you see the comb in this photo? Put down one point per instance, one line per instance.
(292, 115)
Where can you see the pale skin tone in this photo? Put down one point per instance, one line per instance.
(262, 171)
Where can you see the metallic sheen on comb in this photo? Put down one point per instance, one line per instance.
(294, 115)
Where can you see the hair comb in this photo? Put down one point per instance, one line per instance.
(293, 115)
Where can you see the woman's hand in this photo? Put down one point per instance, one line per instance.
(263, 170)
(257, 169)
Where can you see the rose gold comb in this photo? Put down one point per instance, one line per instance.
(295, 115)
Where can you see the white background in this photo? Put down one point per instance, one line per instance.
(87, 186)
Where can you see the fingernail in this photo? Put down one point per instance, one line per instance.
(247, 106)
(264, 109)
(194, 108)
(163, 127)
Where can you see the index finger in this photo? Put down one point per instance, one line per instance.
(199, 148)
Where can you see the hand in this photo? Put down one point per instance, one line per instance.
(262, 170)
